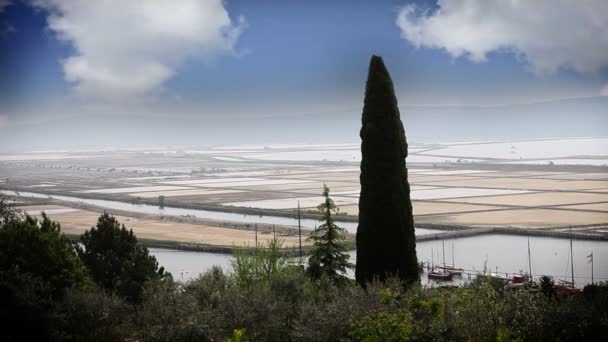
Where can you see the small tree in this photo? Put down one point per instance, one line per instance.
(161, 201)
(547, 286)
(116, 261)
(328, 253)
(258, 266)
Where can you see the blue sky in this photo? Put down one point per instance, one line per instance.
(290, 58)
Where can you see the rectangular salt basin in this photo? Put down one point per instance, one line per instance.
(134, 189)
(573, 161)
(211, 180)
(253, 183)
(259, 183)
(292, 203)
(456, 172)
(178, 193)
(158, 177)
(460, 192)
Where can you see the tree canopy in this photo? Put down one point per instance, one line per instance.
(116, 261)
(38, 248)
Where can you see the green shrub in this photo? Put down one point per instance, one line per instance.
(383, 326)
(258, 265)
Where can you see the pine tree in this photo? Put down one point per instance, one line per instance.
(328, 255)
(386, 244)
(115, 259)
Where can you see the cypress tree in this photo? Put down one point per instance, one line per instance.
(386, 244)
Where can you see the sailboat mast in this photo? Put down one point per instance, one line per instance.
(592, 282)
(300, 231)
(443, 252)
(571, 257)
(529, 258)
(453, 264)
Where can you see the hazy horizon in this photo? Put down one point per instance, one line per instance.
(90, 75)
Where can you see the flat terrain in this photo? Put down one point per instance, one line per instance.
(74, 221)
(530, 184)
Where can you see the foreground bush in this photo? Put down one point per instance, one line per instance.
(46, 289)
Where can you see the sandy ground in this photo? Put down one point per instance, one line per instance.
(442, 193)
(525, 218)
(597, 206)
(524, 184)
(537, 199)
(78, 222)
(579, 176)
(431, 180)
(427, 208)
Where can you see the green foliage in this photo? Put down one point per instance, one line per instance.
(547, 286)
(252, 267)
(386, 244)
(263, 299)
(504, 335)
(91, 314)
(8, 212)
(38, 265)
(168, 313)
(383, 326)
(237, 336)
(30, 246)
(328, 255)
(116, 261)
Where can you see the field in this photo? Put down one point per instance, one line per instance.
(545, 184)
(76, 222)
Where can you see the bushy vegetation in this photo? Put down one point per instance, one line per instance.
(263, 299)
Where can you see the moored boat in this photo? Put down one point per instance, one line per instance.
(439, 275)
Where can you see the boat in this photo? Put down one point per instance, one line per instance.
(439, 275)
(521, 281)
(565, 287)
(452, 270)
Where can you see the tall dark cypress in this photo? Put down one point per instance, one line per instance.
(386, 244)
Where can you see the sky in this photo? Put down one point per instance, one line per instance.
(242, 61)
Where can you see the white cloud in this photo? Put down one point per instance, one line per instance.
(604, 91)
(129, 49)
(548, 34)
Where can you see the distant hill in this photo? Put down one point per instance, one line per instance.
(562, 118)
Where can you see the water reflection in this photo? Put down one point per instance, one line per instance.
(502, 253)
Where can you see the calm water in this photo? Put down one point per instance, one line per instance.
(502, 253)
(203, 214)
